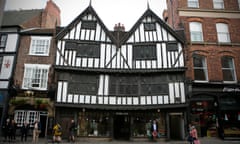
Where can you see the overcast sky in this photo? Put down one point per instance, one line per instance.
(110, 12)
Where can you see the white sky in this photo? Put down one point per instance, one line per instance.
(110, 12)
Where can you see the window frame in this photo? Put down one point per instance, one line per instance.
(149, 26)
(42, 49)
(193, 3)
(140, 52)
(218, 4)
(223, 34)
(196, 33)
(204, 68)
(1, 63)
(89, 24)
(3, 42)
(232, 69)
(40, 78)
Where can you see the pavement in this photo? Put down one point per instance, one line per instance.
(205, 140)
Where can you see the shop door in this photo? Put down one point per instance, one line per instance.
(121, 127)
(176, 127)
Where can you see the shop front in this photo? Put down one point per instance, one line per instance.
(119, 124)
(229, 115)
(203, 115)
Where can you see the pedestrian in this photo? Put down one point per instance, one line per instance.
(190, 138)
(72, 131)
(57, 132)
(24, 131)
(194, 134)
(14, 128)
(154, 129)
(36, 131)
(7, 130)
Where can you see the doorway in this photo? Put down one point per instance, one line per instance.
(176, 127)
(121, 128)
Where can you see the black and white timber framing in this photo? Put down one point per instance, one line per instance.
(102, 68)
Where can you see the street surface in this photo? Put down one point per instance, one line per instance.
(204, 140)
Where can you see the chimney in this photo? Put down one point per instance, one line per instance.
(119, 27)
(51, 15)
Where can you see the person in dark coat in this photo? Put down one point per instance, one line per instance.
(24, 131)
(7, 130)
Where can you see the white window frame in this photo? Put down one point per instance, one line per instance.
(218, 4)
(204, 68)
(233, 71)
(22, 116)
(196, 33)
(40, 45)
(223, 33)
(239, 4)
(193, 3)
(39, 70)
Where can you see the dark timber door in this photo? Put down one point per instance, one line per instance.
(121, 127)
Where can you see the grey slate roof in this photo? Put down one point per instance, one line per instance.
(18, 17)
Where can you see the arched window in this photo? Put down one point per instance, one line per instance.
(200, 68)
(228, 69)
(196, 32)
(223, 33)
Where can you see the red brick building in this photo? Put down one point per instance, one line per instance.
(30, 89)
(212, 57)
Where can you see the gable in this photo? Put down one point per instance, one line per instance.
(86, 27)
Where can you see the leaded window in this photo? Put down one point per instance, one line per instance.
(138, 85)
(200, 68)
(88, 50)
(83, 84)
(150, 26)
(40, 45)
(35, 76)
(144, 52)
(172, 46)
(228, 69)
(91, 25)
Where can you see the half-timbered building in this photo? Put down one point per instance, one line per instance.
(114, 83)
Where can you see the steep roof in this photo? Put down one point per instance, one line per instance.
(18, 17)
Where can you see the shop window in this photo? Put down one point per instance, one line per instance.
(94, 124)
(22, 116)
(223, 33)
(193, 4)
(196, 33)
(200, 68)
(228, 69)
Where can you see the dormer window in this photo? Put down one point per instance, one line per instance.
(91, 25)
(150, 26)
